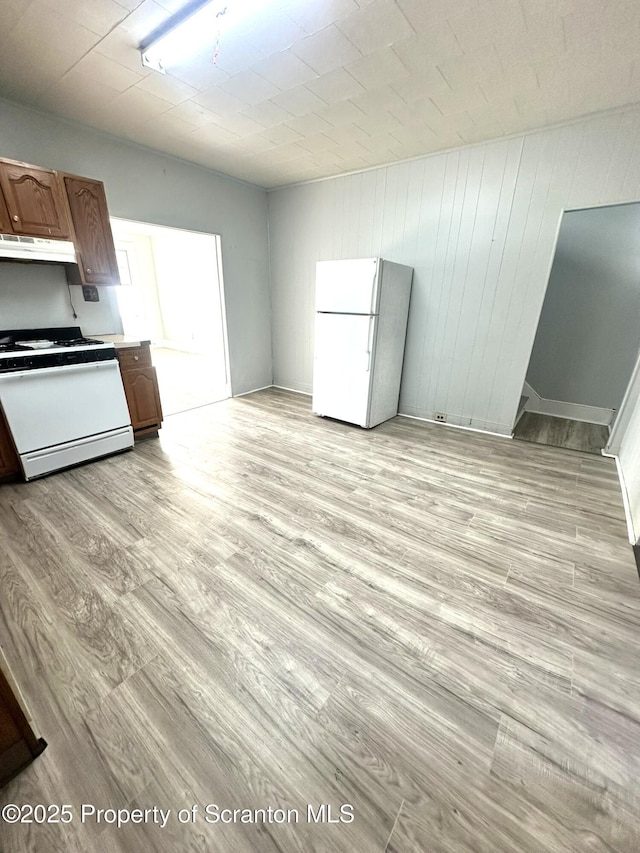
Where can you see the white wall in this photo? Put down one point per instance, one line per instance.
(588, 336)
(36, 296)
(150, 187)
(479, 225)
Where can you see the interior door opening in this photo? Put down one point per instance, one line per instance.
(172, 294)
(587, 340)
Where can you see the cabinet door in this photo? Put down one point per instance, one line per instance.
(9, 463)
(5, 221)
(18, 743)
(94, 241)
(143, 397)
(34, 200)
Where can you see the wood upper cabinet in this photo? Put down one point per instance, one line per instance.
(9, 464)
(95, 248)
(141, 389)
(5, 220)
(34, 200)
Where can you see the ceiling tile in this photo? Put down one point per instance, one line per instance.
(144, 19)
(336, 86)
(271, 32)
(381, 122)
(234, 55)
(309, 124)
(482, 67)
(376, 100)
(167, 87)
(249, 87)
(99, 16)
(95, 66)
(417, 114)
(173, 125)
(21, 70)
(193, 113)
(298, 101)
(122, 47)
(378, 68)
(285, 70)
(212, 134)
(418, 86)
(316, 142)
(546, 14)
(41, 28)
(240, 124)
(431, 15)
(314, 15)
(290, 151)
(281, 135)
(459, 99)
(378, 25)
(326, 50)
(138, 104)
(266, 114)
(477, 27)
(199, 71)
(346, 134)
(219, 102)
(344, 112)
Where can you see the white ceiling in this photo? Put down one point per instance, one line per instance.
(310, 88)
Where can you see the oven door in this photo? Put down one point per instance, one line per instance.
(51, 406)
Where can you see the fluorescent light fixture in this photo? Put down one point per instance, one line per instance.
(200, 22)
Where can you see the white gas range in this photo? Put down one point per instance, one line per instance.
(62, 397)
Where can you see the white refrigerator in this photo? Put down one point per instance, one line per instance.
(362, 307)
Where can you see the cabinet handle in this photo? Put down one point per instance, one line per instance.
(136, 358)
(88, 270)
(16, 218)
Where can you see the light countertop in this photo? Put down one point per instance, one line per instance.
(121, 341)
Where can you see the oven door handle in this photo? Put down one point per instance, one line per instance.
(63, 368)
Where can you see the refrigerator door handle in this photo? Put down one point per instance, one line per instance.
(372, 326)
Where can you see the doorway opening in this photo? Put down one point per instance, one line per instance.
(587, 339)
(172, 295)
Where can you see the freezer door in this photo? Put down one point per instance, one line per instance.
(348, 287)
(342, 366)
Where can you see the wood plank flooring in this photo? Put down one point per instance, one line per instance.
(267, 609)
(561, 432)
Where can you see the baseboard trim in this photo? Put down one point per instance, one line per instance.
(625, 501)
(562, 409)
(253, 391)
(454, 426)
(294, 390)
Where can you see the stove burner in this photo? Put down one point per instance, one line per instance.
(15, 348)
(76, 342)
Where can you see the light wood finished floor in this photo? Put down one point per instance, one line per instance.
(561, 432)
(188, 379)
(269, 609)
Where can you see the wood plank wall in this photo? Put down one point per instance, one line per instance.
(479, 226)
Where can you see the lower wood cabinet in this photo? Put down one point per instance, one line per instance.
(18, 743)
(141, 389)
(9, 464)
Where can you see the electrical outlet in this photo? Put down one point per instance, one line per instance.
(440, 416)
(90, 293)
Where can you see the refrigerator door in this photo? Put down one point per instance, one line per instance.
(348, 287)
(342, 366)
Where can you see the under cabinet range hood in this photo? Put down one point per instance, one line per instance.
(15, 248)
